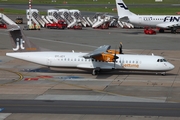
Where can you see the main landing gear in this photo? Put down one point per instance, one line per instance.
(173, 30)
(163, 73)
(96, 71)
(161, 30)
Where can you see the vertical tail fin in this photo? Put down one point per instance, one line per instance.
(20, 43)
(122, 9)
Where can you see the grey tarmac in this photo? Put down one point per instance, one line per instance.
(17, 78)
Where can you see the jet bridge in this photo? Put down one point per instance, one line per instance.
(35, 17)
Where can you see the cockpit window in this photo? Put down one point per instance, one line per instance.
(161, 60)
(164, 60)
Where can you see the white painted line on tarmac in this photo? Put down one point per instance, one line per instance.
(49, 40)
(69, 43)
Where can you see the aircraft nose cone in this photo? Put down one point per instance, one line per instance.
(171, 66)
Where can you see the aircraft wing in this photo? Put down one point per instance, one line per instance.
(98, 51)
(124, 19)
(168, 25)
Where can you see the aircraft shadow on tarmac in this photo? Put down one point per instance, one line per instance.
(102, 75)
(142, 32)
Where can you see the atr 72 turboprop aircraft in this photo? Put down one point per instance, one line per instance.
(103, 58)
(162, 21)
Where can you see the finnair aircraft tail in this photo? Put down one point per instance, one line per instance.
(123, 10)
(170, 22)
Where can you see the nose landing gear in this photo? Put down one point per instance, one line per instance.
(163, 73)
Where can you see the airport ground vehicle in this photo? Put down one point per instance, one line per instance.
(77, 27)
(32, 27)
(61, 24)
(149, 31)
(3, 26)
(19, 20)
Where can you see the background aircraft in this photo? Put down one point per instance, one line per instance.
(162, 21)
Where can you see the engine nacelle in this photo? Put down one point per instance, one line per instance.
(113, 51)
(106, 57)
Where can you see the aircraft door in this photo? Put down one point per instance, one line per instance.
(120, 62)
(49, 61)
(140, 20)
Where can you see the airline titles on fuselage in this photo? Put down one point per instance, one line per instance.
(166, 19)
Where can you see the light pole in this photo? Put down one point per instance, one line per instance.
(30, 14)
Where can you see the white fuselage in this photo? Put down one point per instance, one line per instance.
(76, 60)
(161, 21)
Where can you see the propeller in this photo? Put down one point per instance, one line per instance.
(114, 59)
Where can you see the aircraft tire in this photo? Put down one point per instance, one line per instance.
(161, 30)
(95, 72)
(163, 73)
(173, 30)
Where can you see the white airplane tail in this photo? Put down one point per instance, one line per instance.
(122, 9)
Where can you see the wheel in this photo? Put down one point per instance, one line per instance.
(173, 30)
(94, 72)
(161, 30)
(163, 73)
